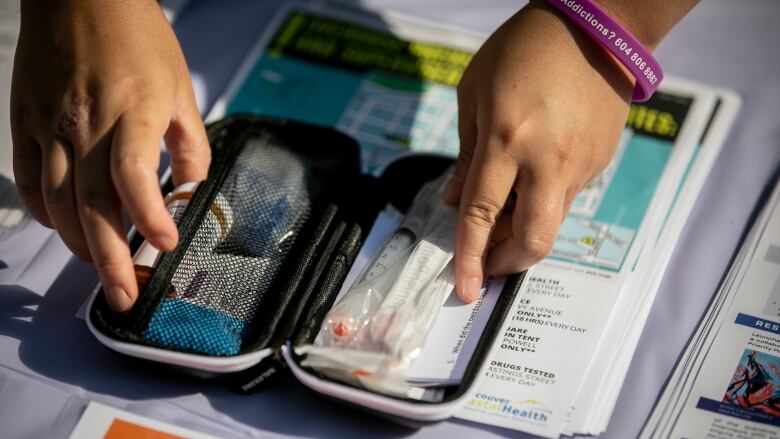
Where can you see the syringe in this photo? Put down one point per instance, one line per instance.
(363, 300)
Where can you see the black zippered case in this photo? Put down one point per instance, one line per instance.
(265, 245)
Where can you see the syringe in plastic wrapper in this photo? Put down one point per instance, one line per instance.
(355, 309)
(400, 323)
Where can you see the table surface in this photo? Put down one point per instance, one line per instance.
(50, 366)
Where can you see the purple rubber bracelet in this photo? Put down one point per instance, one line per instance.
(618, 41)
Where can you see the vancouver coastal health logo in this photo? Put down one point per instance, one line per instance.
(528, 410)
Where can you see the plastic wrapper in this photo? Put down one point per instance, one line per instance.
(373, 333)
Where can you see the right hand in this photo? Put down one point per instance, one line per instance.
(541, 108)
(96, 87)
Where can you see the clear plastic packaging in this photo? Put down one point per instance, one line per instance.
(372, 334)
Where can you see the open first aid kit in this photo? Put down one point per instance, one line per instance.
(258, 282)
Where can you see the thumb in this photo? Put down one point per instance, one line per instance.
(485, 191)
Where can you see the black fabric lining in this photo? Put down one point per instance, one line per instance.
(329, 285)
(320, 261)
(292, 282)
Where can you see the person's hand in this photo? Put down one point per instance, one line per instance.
(541, 110)
(96, 85)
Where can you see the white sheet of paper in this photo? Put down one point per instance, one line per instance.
(103, 422)
(453, 338)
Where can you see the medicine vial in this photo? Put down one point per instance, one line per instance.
(217, 221)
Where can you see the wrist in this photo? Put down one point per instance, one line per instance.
(562, 32)
(601, 27)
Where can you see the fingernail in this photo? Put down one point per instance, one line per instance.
(163, 243)
(473, 289)
(118, 299)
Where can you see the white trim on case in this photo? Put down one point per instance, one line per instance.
(200, 362)
(410, 410)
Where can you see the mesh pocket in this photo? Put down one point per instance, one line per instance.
(225, 276)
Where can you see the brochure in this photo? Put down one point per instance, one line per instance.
(727, 382)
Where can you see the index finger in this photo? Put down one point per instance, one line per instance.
(135, 156)
(488, 183)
